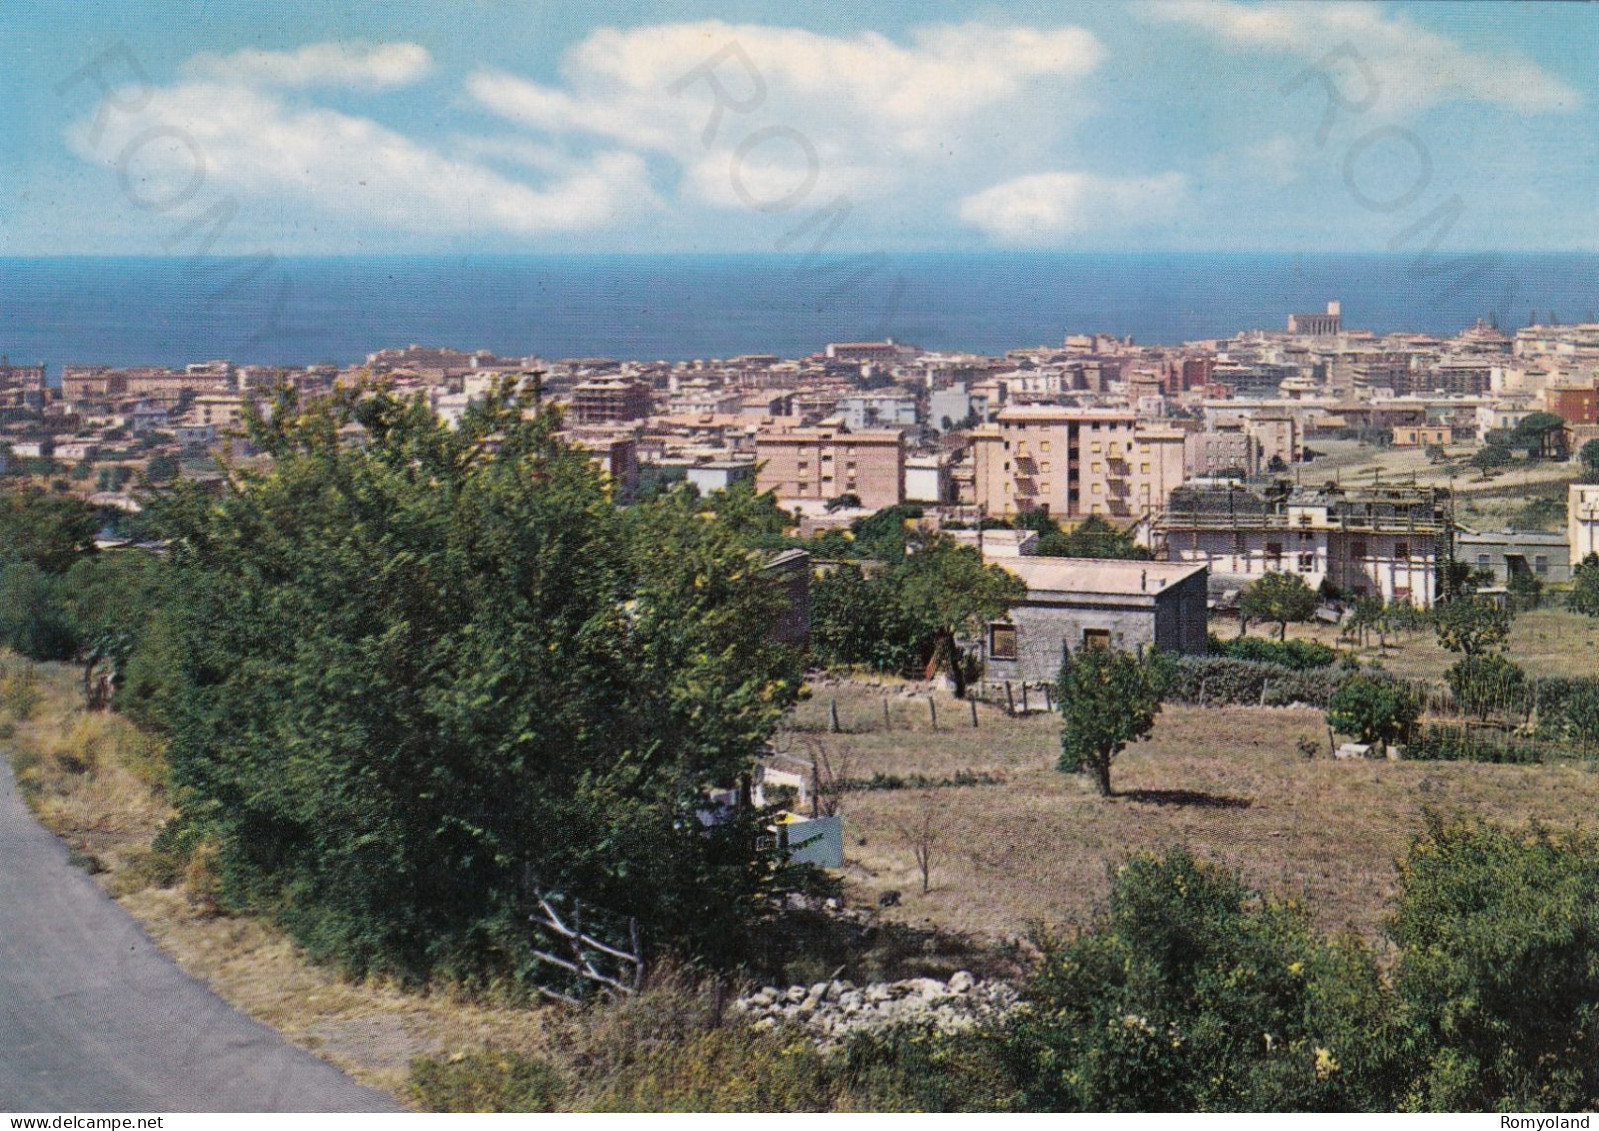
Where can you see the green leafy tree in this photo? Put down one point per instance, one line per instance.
(1588, 456)
(949, 588)
(884, 535)
(1541, 434)
(1092, 538)
(48, 531)
(1472, 626)
(1581, 714)
(1278, 597)
(113, 478)
(1497, 932)
(161, 469)
(1375, 711)
(846, 501)
(1370, 614)
(423, 681)
(1192, 992)
(1525, 589)
(1483, 684)
(1584, 596)
(33, 620)
(1108, 699)
(753, 516)
(1490, 458)
(859, 620)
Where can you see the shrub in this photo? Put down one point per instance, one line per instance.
(1559, 703)
(1377, 711)
(1483, 685)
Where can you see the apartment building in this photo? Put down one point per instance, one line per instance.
(609, 400)
(824, 463)
(1378, 540)
(1073, 463)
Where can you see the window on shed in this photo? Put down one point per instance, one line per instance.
(1002, 641)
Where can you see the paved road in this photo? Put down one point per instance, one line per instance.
(94, 1018)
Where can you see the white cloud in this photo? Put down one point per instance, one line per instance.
(381, 67)
(1413, 68)
(250, 142)
(867, 113)
(1281, 160)
(1044, 209)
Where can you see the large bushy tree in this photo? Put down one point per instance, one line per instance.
(48, 531)
(954, 592)
(425, 677)
(1497, 932)
(924, 594)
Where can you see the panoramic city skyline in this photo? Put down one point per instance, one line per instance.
(395, 129)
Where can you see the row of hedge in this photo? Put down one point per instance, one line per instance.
(1219, 681)
(1300, 655)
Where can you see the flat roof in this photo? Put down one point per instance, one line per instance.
(1098, 575)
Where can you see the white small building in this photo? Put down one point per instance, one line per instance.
(719, 475)
(76, 451)
(927, 480)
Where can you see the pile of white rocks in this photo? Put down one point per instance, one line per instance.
(831, 1011)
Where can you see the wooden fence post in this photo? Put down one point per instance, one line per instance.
(832, 715)
(932, 709)
(1010, 700)
(973, 704)
(1025, 708)
(886, 724)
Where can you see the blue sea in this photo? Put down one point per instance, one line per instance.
(297, 311)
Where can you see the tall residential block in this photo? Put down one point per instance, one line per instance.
(824, 463)
(1072, 463)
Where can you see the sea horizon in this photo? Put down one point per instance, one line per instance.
(672, 306)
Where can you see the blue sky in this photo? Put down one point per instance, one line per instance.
(488, 127)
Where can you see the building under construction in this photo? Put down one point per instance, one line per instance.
(1356, 540)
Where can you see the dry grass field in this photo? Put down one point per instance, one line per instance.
(1230, 784)
(1353, 463)
(1546, 642)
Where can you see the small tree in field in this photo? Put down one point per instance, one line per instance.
(1376, 711)
(1108, 698)
(921, 835)
(1483, 683)
(1279, 597)
(1472, 626)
